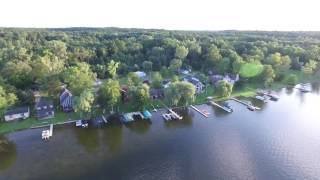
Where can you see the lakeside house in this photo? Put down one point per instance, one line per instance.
(156, 93)
(44, 108)
(196, 82)
(141, 74)
(230, 78)
(66, 100)
(17, 113)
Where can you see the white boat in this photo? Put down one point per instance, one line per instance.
(304, 89)
(80, 123)
(263, 98)
(166, 117)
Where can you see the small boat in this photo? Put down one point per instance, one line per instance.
(147, 114)
(263, 98)
(304, 89)
(81, 123)
(167, 117)
(274, 97)
(253, 108)
(205, 112)
(127, 118)
(228, 106)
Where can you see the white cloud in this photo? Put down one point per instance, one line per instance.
(167, 14)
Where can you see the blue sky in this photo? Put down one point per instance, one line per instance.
(279, 15)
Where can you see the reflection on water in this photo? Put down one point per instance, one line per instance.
(140, 126)
(8, 153)
(88, 138)
(316, 87)
(289, 90)
(112, 136)
(281, 141)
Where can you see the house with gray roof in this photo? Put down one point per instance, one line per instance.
(17, 113)
(66, 100)
(44, 108)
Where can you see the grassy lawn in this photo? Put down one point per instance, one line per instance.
(33, 122)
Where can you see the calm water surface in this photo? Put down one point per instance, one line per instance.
(281, 141)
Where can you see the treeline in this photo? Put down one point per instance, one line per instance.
(46, 58)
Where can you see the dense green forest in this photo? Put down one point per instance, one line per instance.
(44, 59)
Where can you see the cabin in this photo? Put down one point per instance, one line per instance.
(44, 108)
(17, 113)
(196, 82)
(66, 100)
(156, 93)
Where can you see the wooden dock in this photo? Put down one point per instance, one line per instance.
(175, 114)
(46, 134)
(51, 130)
(205, 115)
(249, 106)
(221, 107)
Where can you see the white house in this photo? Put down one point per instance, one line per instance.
(140, 74)
(17, 113)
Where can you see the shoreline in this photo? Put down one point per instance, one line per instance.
(248, 90)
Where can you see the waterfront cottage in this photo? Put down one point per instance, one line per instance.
(196, 82)
(44, 108)
(66, 102)
(17, 113)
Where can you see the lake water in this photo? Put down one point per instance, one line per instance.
(281, 141)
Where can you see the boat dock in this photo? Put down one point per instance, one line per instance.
(174, 114)
(249, 105)
(271, 95)
(199, 111)
(229, 110)
(46, 134)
